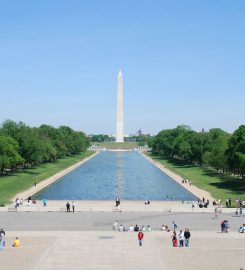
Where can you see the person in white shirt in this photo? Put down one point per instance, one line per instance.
(181, 238)
(73, 206)
(120, 228)
(115, 225)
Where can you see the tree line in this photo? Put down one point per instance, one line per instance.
(215, 149)
(24, 146)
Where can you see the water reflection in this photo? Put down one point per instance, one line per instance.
(120, 174)
(115, 174)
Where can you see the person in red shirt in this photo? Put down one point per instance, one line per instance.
(140, 237)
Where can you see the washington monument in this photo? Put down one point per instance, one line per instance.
(120, 136)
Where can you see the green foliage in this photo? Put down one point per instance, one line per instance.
(33, 146)
(9, 157)
(102, 138)
(219, 185)
(215, 149)
(236, 151)
(16, 182)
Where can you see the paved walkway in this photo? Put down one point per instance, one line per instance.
(199, 193)
(31, 191)
(114, 250)
(109, 206)
(102, 221)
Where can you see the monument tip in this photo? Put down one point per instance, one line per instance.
(120, 73)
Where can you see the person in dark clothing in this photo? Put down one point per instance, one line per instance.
(229, 201)
(117, 201)
(136, 228)
(187, 236)
(68, 207)
(222, 225)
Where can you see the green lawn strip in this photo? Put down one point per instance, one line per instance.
(17, 182)
(218, 185)
(116, 145)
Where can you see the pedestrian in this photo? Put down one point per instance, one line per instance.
(222, 225)
(181, 239)
(73, 206)
(174, 225)
(68, 207)
(216, 212)
(187, 236)
(115, 225)
(35, 184)
(241, 211)
(229, 201)
(193, 205)
(226, 226)
(174, 240)
(140, 237)
(44, 202)
(117, 202)
(2, 238)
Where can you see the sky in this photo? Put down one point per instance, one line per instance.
(183, 62)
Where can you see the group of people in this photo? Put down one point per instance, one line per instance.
(239, 212)
(131, 228)
(183, 238)
(225, 226)
(16, 242)
(203, 203)
(147, 202)
(186, 181)
(68, 207)
(18, 202)
(239, 202)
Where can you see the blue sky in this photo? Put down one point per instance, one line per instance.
(183, 63)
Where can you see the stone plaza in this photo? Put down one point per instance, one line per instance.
(86, 240)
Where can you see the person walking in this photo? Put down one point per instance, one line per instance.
(240, 211)
(216, 212)
(174, 225)
(73, 206)
(68, 207)
(187, 236)
(140, 237)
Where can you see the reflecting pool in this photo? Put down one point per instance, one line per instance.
(127, 175)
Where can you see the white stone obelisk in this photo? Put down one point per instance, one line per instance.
(120, 135)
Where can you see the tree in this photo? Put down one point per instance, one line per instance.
(9, 156)
(236, 151)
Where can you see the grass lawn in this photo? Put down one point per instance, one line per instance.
(116, 145)
(218, 185)
(16, 182)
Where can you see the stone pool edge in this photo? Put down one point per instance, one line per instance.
(199, 193)
(46, 182)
